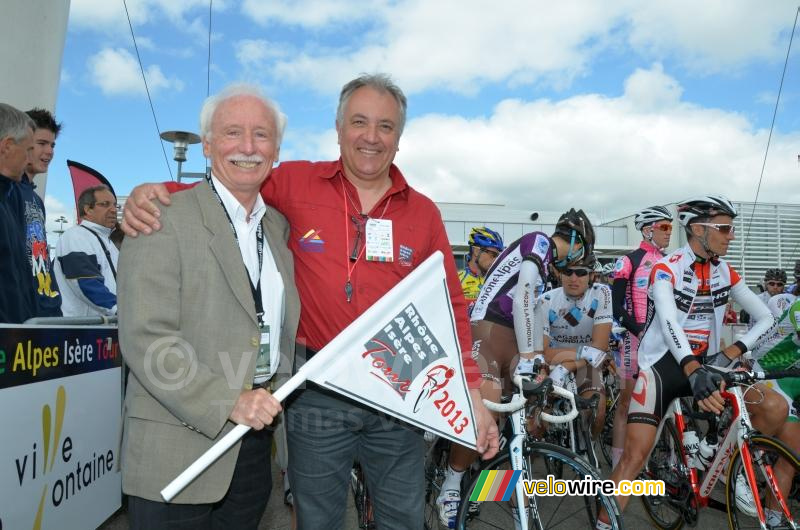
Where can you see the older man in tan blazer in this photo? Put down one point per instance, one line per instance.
(208, 313)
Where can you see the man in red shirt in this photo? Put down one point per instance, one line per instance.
(328, 206)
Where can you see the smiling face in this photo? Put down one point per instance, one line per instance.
(369, 135)
(242, 144)
(44, 142)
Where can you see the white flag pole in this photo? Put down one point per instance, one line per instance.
(228, 441)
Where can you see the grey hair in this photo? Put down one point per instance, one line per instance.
(381, 83)
(14, 123)
(87, 199)
(231, 91)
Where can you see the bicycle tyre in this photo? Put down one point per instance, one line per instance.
(436, 461)
(554, 512)
(662, 465)
(363, 504)
(765, 451)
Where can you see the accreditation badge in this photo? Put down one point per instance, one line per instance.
(263, 359)
(380, 246)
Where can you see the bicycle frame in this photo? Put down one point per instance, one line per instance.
(738, 433)
(514, 446)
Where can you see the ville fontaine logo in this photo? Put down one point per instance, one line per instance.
(57, 461)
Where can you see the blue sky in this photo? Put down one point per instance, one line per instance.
(608, 106)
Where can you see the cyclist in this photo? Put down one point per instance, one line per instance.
(503, 320)
(576, 321)
(774, 281)
(688, 292)
(484, 247)
(795, 287)
(782, 356)
(631, 274)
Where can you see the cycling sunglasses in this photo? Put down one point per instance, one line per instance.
(663, 228)
(579, 272)
(775, 284)
(721, 228)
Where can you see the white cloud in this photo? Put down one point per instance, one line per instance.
(252, 53)
(116, 72)
(311, 13)
(460, 45)
(606, 155)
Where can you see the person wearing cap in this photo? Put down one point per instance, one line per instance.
(631, 273)
(484, 246)
(689, 290)
(502, 318)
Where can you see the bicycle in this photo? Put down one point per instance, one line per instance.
(606, 439)
(574, 435)
(364, 513)
(747, 450)
(521, 452)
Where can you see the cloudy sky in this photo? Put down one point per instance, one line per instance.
(537, 105)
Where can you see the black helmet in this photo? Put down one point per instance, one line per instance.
(588, 260)
(579, 222)
(775, 275)
(704, 207)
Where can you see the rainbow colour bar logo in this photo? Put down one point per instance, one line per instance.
(495, 485)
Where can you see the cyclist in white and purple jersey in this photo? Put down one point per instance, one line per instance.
(503, 321)
(631, 275)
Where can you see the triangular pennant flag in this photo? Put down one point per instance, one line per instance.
(84, 177)
(402, 357)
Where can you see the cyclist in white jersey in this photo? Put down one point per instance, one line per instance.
(577, 321)
(503, 328)
(688, 294)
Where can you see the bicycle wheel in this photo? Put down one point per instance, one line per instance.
(435, 468)
(544, 512)
(361, 499)
(666, 463)
(606, 439)
(765, 454)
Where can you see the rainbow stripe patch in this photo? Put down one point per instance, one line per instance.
(495, 485)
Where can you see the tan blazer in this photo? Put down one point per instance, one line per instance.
(188, 332)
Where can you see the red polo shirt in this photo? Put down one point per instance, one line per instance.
(311, 196)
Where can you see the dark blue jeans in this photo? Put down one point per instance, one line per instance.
(325, 434)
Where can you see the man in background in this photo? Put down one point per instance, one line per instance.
(86, 258)
(17, 302)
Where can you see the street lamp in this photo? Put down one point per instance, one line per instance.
(61, 220)
(181, 140)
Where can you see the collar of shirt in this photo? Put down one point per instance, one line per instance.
(245, 231)
(399, 184)
(102, 230)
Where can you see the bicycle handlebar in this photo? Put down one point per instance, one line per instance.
(518, 401)
(745, 377)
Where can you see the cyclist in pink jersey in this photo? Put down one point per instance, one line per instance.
(631, 274)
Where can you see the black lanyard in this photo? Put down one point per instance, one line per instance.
(254, 289)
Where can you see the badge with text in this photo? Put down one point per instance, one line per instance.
(262, 362)
(380, 246)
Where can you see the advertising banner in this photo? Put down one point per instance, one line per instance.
(60, 412)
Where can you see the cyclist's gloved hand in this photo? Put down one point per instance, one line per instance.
(529, 366)
(704, 382)
(559, 375)
(592, 355)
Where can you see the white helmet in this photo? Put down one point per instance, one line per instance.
(704, 207)
(651, 215)
(608, 268)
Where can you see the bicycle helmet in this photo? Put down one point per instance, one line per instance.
(588, 260)
(578, 222)
(651, 215)
(483, 237)
(704, 207)
(775, 275)
(608, 268)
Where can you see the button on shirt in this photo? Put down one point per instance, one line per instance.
(272, 290)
